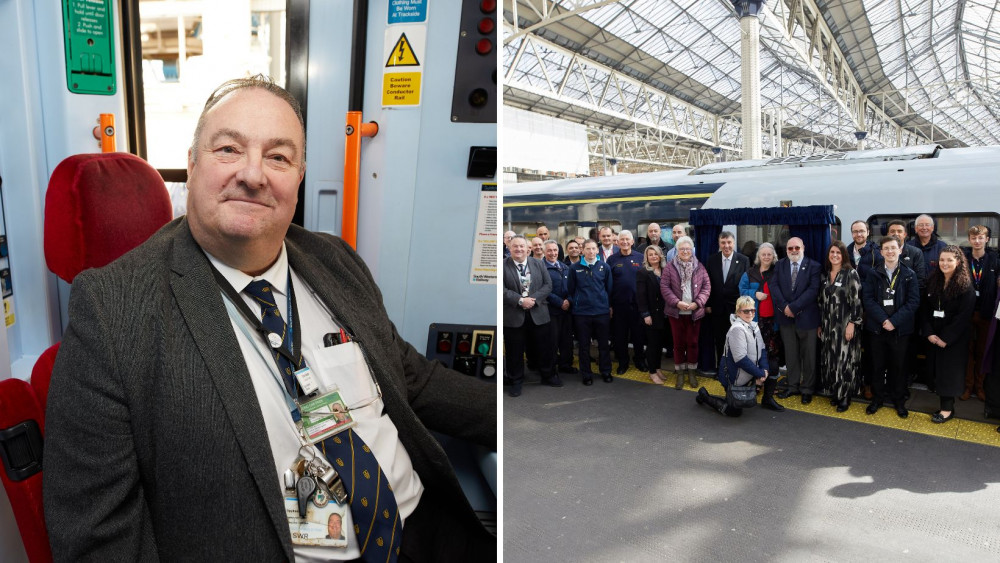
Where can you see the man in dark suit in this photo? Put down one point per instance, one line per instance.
(608, 246)
(171, 422)
(526, 288)
(794, 289)
(725, 268)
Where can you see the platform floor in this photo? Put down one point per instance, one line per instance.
(631, 471)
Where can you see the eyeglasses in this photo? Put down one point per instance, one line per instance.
(794, 248)
(746, 311)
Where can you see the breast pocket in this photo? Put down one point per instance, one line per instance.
(344, 366)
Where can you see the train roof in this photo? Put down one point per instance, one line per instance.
(771, 174)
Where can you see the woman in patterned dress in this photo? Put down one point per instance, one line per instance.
(839, 331)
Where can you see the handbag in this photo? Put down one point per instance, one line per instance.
(737, 396)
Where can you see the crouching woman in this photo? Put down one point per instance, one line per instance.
(745, 360)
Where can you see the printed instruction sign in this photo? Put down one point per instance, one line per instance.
(484, 251)
(407, 11)
(405, 47)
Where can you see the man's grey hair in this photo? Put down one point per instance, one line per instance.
(552, 242)
(228, 87)
(626, 233)
(727, 234)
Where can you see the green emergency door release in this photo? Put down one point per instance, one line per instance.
(89, 40)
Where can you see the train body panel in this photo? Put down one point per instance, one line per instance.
(960, 184)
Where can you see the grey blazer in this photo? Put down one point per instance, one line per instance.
(155, 444)
(541, 287)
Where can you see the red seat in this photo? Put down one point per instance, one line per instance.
(97, 207)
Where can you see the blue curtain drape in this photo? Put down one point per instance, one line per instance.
(810, 223)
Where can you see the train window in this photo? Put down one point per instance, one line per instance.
(953, 228)
(187, 48)
(585, 229)
(666, 227)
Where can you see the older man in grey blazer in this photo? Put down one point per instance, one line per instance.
(526, 286)
(171, 429)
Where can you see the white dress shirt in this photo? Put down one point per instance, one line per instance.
(330, 366)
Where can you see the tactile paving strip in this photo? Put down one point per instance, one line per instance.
(918, 422)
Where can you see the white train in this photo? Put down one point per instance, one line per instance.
(958, 187)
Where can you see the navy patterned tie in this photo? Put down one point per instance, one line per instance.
(373, 504)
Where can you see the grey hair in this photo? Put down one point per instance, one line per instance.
(763, 245)
(727, 234)
(684, 240)
(626, 233)
(259, 81)
(550, 241)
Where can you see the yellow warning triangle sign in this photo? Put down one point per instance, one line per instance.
(402, 54)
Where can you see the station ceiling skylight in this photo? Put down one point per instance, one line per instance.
(930, 66)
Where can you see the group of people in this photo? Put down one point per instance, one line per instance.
(848, 326)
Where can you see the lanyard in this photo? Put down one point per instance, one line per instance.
(977, 273)
(296, 338)
(234, 313)
(892, 284)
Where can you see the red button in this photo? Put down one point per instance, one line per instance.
(488, 6)
(464, 347)
(486, 26)
(484, 46)
(444, 346)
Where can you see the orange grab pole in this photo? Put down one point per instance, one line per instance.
(354, 131)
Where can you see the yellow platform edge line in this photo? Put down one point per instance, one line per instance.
(919, 423)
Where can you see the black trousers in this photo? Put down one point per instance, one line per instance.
(720, 327)
(598, 326)
(434, 534)
(626, 327)
(888, 360)
(655, 341)
(562, 339)
(514, 341)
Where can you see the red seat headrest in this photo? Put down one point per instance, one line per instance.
(98, 207)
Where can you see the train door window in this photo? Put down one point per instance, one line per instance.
(187, 48)
(952, 228)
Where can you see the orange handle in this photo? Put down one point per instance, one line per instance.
(108, 132)
(354, 131)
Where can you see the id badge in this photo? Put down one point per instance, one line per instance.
(838, 284)
(323, 527)
(888, 302)
(977, 293)
(939, 314)
(306, 380)
(325, 416)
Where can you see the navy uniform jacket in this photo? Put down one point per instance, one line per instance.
(802, 299)
(559, 274)
(871, 258)
(623, 270)
(905, 296)
(913, 258)
(931, 251)
(986, 287)
(589, 288)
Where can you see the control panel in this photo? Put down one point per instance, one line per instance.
(474, 99)
(468, 349)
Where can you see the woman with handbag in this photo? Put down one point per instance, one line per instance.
(744, 361)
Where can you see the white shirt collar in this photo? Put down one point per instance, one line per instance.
(276, 275)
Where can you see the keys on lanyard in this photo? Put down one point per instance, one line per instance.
(314, 479)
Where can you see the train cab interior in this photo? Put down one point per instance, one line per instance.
(103, 104)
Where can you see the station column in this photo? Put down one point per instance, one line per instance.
(747, 11)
